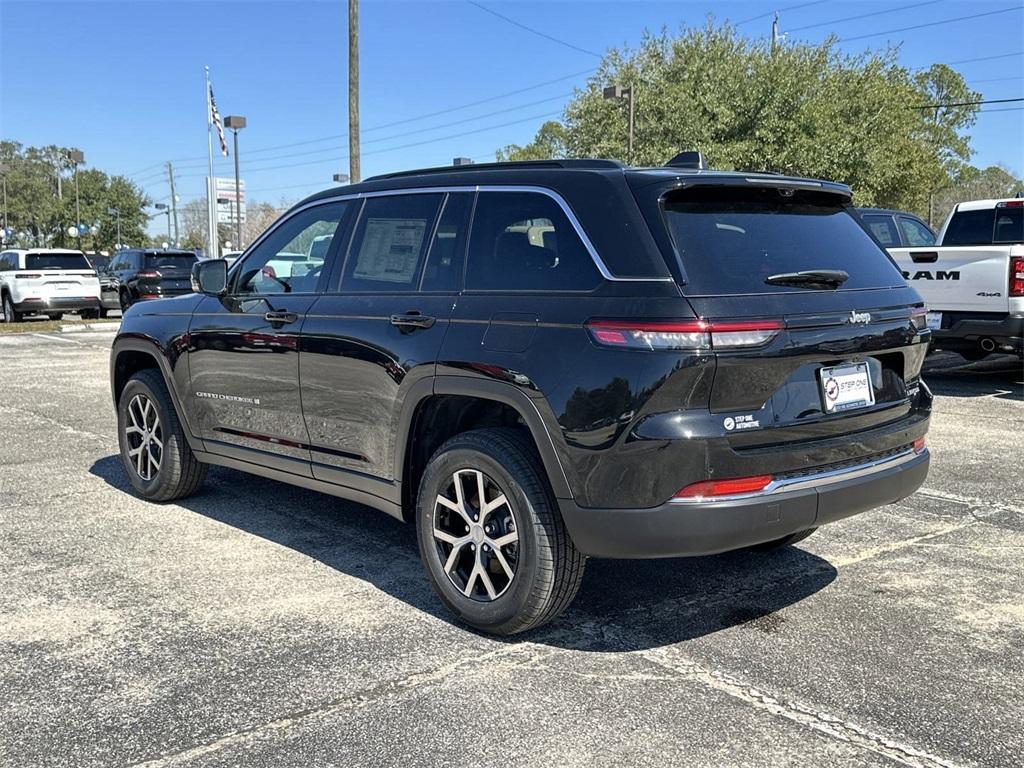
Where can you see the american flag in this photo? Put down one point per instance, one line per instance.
(215, 119)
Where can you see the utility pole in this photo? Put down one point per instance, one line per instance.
(3, 174)
(775, 33)
(353, 90)
(174, 202)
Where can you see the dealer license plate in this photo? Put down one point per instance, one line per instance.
(844, 387)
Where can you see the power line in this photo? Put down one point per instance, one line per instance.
(777, 10)
(861, 16)
(997, 79)
(987, 58)
(537, 32)
(1000, 109)
(967, 103)
(929, 24)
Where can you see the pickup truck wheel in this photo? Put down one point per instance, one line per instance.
(785, 541)
(154, 450)
(10, 316)
(490, 534)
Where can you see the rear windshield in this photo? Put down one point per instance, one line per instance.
(56, 261)
(985, 226)
(730, 239)
(170, 261)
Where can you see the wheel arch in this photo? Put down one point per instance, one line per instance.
(448, 405)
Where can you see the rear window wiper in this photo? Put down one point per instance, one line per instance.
(812, 278)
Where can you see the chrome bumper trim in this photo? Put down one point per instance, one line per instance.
(817, 480)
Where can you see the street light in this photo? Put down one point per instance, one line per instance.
(165, 208)
(618, 93)
(117, 213)
(236, 123)
(340, 178)
(76, 157)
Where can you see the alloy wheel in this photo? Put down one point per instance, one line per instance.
(144, 437)
(475, 535)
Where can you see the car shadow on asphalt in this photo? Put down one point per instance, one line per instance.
(622, 605)
(1000, 376)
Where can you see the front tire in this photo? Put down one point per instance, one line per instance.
(490, 535)
(155, 453)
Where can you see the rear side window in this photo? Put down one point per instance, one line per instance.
(970, 228)
(915, 234)
(731, 239)
(883, 228)
(523, 241)
(448, 249)
(390, 243)
(1009, 225)
(170, 261)
(56, 261)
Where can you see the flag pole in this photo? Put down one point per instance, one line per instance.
(211, 232)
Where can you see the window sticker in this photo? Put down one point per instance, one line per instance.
(390, 250)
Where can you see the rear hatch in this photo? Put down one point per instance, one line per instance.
(166, 273)
(829, 339)
(58, 275)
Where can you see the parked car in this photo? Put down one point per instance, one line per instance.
(895, 229)
(544, 361)
(973, 281)
(47, 281)
(108, 283)
(142, 274)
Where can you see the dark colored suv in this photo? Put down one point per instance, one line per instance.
(138, 274)
(543, 362)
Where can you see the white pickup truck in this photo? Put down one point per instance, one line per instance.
(972, 282)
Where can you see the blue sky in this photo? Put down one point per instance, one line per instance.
(123, 81)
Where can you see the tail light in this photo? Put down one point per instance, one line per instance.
(709, 489)
(1017, 275)
(27, 276)
(919, 317)
(1011, 204)
(150, 273)
(684, 334)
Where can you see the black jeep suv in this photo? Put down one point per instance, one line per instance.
(540, 362)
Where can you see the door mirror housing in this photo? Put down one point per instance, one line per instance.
(210, 276)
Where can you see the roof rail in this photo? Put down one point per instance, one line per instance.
(592, 164)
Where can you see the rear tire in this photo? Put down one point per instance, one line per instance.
(155, 453)
(785, 541)
(10, 315)
(505, 565)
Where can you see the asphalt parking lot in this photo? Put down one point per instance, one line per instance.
(261, 625)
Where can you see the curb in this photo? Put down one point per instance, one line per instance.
(93, 327)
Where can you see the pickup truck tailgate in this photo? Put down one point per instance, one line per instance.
(959, 278)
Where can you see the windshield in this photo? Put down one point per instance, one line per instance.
(56, 261)
(730, 239)
(170, 261)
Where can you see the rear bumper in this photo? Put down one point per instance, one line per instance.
(966, 330)
(678, 529)
(64, 303)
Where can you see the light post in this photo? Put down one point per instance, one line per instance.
(340, 178)
(77, 157)
(166, 209)
(3, 177)
(116, 213)
(236, 123)
(617, 93)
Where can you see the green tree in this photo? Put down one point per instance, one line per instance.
(551, 141)
(973, 183)
(804, 109)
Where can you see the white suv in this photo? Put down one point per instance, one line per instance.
(47, 281)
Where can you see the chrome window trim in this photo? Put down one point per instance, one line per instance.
(594, 255)
(817, 480)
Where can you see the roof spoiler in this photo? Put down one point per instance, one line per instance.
(693, 160)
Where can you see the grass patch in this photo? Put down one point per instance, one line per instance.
(41, 326)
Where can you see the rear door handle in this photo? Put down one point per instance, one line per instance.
(280, 317)
(413, 320)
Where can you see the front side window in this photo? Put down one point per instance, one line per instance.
(523, 241)
(915, 233)
(883, 229)
(292, 257)
(390, 243)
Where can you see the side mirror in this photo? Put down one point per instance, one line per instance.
(210, 276)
